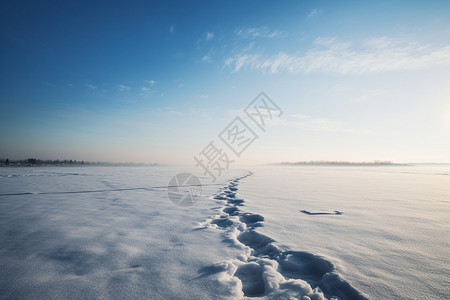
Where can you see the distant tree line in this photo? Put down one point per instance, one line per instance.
(39, 162)
(342, 163)
(31, 162)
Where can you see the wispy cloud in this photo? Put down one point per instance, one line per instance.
(91, 87)
(336, 56)
(205, 41)
(209, 36)
(123, 88)
(314, 124)
(145, 91)
(253, 32)
(314, 12)
(168, 111)
(149, 88)
(150, 82)
(172, 28)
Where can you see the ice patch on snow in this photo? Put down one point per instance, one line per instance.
(336, 212)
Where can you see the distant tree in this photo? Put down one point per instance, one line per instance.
(7, 162)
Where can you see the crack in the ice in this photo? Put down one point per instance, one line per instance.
(151, 188)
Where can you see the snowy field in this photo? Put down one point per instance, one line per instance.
(392, 240)
(275, 232)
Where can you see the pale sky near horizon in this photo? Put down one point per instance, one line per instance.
(148, 81)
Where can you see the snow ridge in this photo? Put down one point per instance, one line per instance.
(263, 269)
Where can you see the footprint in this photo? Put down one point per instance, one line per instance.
(249, 218)
(220, 197)
(254, 239)
(304, 265)
(222, 222)
(230, 194)
(230, 209)
(236, 201)
(251, 276)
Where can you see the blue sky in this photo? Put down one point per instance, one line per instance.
(157, 81)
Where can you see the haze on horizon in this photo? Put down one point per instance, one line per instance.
(155, 82)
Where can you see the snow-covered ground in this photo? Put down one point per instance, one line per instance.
(121, 244)
(112, 232)
(392, 238)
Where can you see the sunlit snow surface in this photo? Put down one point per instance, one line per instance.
(376, 232)
(392, 240)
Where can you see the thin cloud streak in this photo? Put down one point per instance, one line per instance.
(150, 82)
(314, 12)
(311, 123)
(331, 55)
(264, 32)
(123, 88)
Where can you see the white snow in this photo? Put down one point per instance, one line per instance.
(391, 237)
(112, 232)
(131, 243)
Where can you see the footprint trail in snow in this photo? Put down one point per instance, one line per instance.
(263, 269)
